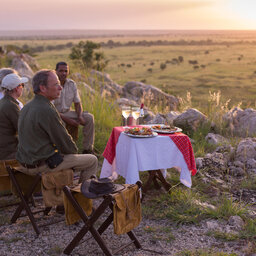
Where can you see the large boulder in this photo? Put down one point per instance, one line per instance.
(141, 92)
(191, 119)
(22, 67)
(105, 82)
(171, 116)
(30, 61)
(215, 139)
(246, 154)
(126, 102)
(246, 150)
(241, 122)
(158, 119)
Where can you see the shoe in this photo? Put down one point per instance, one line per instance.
(92, 152)
(47, 210)
(60, 209)
(87, 151)
(38, 194)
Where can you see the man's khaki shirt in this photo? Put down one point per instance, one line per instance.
(41, 132)
(69, 94)
(9, 114)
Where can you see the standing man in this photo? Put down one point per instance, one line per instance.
(69, 94)
(12, 85)
(44, 144)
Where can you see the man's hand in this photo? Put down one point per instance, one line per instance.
(81, 120)
(70, 121)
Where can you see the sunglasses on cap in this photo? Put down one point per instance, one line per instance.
(22, 85)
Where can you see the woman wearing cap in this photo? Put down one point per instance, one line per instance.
(12, 85)
(4, 72)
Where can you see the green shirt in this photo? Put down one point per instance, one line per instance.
(9, 114)
(41, 131)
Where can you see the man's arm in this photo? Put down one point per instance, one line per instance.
(69, 121)
(57, 133)
(79, 111)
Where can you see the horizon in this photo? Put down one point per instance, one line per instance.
(29, 15)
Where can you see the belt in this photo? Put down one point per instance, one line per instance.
(32, 166)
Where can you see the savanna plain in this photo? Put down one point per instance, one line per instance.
(211, 72)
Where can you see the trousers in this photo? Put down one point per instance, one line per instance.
(86, 164)
(88, 128)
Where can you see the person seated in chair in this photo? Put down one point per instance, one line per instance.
(12, 86)
(44, 143)
(68, 95)
(4, 72)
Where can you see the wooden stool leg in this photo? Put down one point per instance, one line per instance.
(134, 239)
(88, 224)
(24, 200)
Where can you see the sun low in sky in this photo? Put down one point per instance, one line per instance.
(127, 14)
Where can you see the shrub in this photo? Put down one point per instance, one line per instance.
(163, 66)
(84, 54)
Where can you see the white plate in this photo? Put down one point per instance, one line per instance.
(166, 131)
(154, 134)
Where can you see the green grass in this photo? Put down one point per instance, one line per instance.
(249, 231)
(249, 183)
(227, 208)
(106, 116)
(223, 235)
(178, 206)
(160, 233)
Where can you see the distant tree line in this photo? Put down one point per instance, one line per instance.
(32, 50)
(111, 43)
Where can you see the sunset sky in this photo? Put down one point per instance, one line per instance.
(127, 14)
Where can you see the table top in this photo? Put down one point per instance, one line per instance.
(181, 141)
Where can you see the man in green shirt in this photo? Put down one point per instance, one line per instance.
(44, 143)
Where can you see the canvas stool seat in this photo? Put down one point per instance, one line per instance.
(25, 190)
(118, 203)
(5, 184)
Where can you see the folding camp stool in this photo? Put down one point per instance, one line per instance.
(5, 185)
(26, 197)
(89, 221)
(155, 175)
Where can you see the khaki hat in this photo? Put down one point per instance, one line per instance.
(11, 81)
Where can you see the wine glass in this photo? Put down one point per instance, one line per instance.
(126, 113)
(136, 113)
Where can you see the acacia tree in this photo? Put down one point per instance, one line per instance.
(85, 54)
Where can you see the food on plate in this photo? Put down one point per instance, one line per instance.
(139, 131)
(165, 128)
(156, 127)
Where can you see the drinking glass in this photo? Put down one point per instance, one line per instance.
(126, 113)
(136, 114)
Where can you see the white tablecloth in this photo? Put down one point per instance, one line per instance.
(143, 154)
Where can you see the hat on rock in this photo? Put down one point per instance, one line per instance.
(11, 81)
(94, 188)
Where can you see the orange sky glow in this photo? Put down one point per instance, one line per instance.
(127, 14)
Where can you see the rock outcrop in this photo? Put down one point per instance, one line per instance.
(141, 92)
(241, 122)
(191, 119)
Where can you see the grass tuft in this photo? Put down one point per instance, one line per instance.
(227, 208)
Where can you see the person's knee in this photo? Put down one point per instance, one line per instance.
(88, 117)
(94, 161)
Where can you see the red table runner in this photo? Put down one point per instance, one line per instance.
(181, 140)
